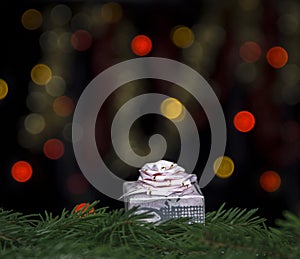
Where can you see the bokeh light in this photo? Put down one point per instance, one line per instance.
(141, 45)
(244, 121)
(54, 149)
(277, 57)
(171, 108)
(182, 36)
(223, 166)
(3, 89)
(21, 171)
(77, 184)
(60, 14)
(81, 40)
(32, 19)
(41, 74)
(111, 12)
(270, 181)
(34, 123)
(63, 106)
(250, 51)
(36, 101)
(56, 87)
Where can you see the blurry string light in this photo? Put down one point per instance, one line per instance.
(63, 106)
(32, 19)
(56, 86)
(80, 21)
(48, 41)
(277, 56)
(41, 74)
(21, 171)
(171, 108)
(3, 89)
(270, 181)
(223, 166)
(36, 101)
(250, 51)
(81, 40)
(34, 123)
(54, 149)
(244, 121)
(60, 14)
(111, 12)
(246, 72)
(182, 36)
(141, 45)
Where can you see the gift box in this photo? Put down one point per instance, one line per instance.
(166, 191)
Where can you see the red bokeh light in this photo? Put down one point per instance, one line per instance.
(141, 45)
(21, 171)
(250, 51)
(81, 40)
(244, 121)
(270, 181)
(277, 57)
(82, 207)
(54, 149)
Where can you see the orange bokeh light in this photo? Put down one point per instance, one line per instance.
(270, 181)
(244, 121)
(21, 171)
(141, 45)
(277, 57)
(63, 106)
(54, 149)
(250, 51)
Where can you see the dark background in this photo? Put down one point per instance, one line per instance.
(272, 145)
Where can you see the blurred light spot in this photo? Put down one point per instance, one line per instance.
(49, 41)
(81, 40)
(60, 14)
(223, 167)
(64, 42)
(41, 74)
(182, 36)
(3, 89)
(34, 123)
(244, 121)
(63, 106)
(82, 207)
(250, 51)
(77, 184)
(290, 74)
(171, 108)
(248, 5)
(277, 57)
(32, 19)
(56, 86)
(36, 102)
(288, 24)
(81, 21)
(111, 12)
(246, 73)
(21, 171)
(54, 149)
(141, 45)
(270, 181)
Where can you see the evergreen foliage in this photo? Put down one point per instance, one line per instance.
(227, 233)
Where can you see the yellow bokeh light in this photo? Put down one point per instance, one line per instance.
(171, 108)
(223, 166)
(3, 89)
(32, 19)
(34, 123)
(182, 36)
(41, 74)
(111, 12)
(56, 87)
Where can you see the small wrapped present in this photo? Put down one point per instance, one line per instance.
(167, 191)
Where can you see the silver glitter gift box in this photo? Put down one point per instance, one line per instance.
(164, 204)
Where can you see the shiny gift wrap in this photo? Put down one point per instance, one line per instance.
(166, 191)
